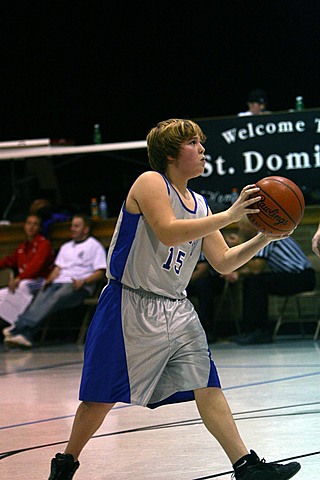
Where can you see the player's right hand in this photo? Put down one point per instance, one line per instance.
(244, 203)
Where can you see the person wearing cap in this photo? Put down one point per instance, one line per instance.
(257, 103)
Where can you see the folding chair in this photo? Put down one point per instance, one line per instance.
(300, 298)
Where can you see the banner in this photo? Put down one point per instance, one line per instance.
(242, 150)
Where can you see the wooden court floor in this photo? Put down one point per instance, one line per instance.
(273, 391)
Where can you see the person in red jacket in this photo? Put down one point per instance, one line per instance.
(31, 262)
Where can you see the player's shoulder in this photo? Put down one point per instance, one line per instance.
(150, 179)
(150, 175)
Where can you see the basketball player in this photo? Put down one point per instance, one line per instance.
(145, 344)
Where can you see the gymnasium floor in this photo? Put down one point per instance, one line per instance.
(273, 391)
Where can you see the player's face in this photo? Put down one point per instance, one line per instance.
(191, 159)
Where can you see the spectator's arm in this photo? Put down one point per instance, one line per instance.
(52, 275)
(253, 267)
(95, 277)
(13, 284)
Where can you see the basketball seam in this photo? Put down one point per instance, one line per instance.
(290, 188)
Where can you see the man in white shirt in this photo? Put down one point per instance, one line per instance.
(79, 265)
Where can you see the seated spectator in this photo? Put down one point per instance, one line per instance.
(257, 104)
(32, 262)
(79, 264)
(289, 272)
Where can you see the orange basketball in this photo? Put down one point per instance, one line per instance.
(281, 206)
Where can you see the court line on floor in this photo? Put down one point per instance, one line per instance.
(7, 427)
(44, 367)
(231, 366)
(62, 417)
(219, 367)
(275, 380)
(179, 423)
(234, 387)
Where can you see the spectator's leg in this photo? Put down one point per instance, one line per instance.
(56, 297)
(255, 302)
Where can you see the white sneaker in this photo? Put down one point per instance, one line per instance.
(18, 341)
(7, 331)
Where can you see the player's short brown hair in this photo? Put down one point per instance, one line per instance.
(166, 138)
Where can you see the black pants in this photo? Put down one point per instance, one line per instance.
(205, 289)
(257, 288)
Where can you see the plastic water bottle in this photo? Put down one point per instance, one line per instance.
(97, 134)
(103, 208)
(234, 195)
(299, 104)
(94, 208)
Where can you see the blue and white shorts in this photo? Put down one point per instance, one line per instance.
(145, 349)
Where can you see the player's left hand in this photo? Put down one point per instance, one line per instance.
(274, 238)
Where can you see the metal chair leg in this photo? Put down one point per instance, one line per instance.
(280, 318)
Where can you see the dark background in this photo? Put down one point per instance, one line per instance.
(65, 66)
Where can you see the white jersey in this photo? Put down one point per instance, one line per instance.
(138, 259)
(79, 259)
